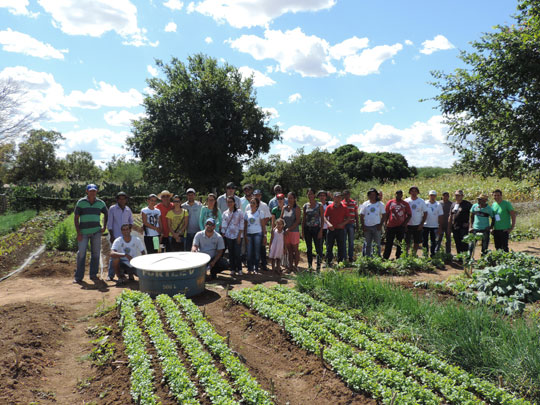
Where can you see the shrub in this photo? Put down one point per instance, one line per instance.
(63, 236)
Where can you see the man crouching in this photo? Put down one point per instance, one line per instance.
(123, 250)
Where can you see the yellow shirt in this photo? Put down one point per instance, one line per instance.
(177, 220)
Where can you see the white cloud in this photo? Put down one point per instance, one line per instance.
(308, 136)
(62, 116)
(96, 17)
(439, 43)
(105, 95)
(294, 98)
(370, 60)
(208, 40)
(152, 70)
(273, 113)
(121, 118)
(251, 13)
(171, 27)
(259, 78)
(422, 143)
(372, 106)
(102, 143)
(14, 41)
(409, 42)
(348, 47)
(284, 151)
(174, 4)
(17, 7)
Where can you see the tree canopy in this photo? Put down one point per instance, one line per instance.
(80, 166)
(202, 123)
(13, 122)
(492, 106)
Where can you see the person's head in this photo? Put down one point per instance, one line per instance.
(311, 194)
(126, 230)
(380, 195)
(280, 200)
(322, 196)
(280, 224)
(399, 195)
(337, 197)
(413, 192)
(497, 195)
(346, 194)
(248, 190)
(210, 225)
(231, 204)
(151, 200)
(257, 194)
(254, 204)
(432, 196)
(445, 196)
(190, 194)
(277, 189)
(91, 191)
(291, 199)
(165, 197)
(121, 199)
(177, 202)
(230, 188)
(372, 195)
(459, 196)
(482, 200)
(211, 203)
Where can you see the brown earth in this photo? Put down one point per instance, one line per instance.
(43, 339)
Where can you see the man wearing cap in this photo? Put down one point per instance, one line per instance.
(88, 212)
(123, 250)
(416, 222)
(273, 202)
(193, 208)
(244, 201)
(336, 216)
(353, 223)
(119, 214)
(210, 242)
(372, 216)
(265, 218)
(482, 220)
(505, 220)
(398, 213)
(229, 192)
(164, 207)
(458, 221)
(446, 204)
(433, 222)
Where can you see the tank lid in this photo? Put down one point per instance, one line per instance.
(172, 261)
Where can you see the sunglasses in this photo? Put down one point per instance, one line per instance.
(176, 201)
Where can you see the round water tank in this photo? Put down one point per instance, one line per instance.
(171, 273)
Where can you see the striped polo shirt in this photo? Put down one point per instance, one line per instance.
(89, 215)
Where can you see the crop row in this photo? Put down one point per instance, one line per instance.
(332, 327)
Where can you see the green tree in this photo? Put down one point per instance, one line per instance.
(492, 106)
(202, 123)
(120, 170)
(36, 157)
(80, 166)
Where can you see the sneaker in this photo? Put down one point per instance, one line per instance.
(94, 278)
(110, 279)
(75, 281)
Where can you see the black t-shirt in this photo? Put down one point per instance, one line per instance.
(460, 214)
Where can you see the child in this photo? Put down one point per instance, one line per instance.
(151, 223)
(277, 244)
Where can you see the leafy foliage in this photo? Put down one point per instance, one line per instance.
(80, 166)
(63, 236)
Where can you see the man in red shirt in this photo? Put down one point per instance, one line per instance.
(336, 216)
(398, 213)
(165, 206)
(352, 225)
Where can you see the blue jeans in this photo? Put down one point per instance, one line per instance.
(349, 240)
(254, 241)
(95, 250)
(188, 241)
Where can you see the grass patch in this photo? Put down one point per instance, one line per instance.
(473, 337)
(63, 236)
(13, 220)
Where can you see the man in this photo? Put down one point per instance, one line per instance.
(398, 213)
(229, 192)
(119, 214)
(372, 216)
(265, 216)
(211, 243)
(481, 215)
(244, 201)
(505, 220)
(164, 207)
(123, 250)
(336, 216)
(273, 202)
(193, 208)
(88, 212)
(323, 197)
(416, 222)
(458, 221)
(433, 222)
(353, 223)
(446, 204)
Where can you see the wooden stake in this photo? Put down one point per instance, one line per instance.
(226, 290)
(321, 353)
(500, 381)
(228, 339)
(393, 398)
(272, 388)
(204, 311)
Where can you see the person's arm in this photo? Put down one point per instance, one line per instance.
(245, 229)
(321, 215)
(184, 223)
(117, 254)
(240, 228)
(513, 218)
(271, 238)
(218, 255)
(219, 220)
(298, 215)
(356, 216)
(202, 215)
(195, 246)
(273, 221)
(105, 219)
(110, 221)
(303, 221)
(171, 230)
(263, 230)
(423, 220)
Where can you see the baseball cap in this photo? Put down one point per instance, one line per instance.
(152, 195)
(414, 188)
(483, 197)
(372, 190)
(322, 192)
(257, 192)
(459, 192)
(230, 185)
(91, 187)
(190, 190)
(337, 194)
(120, 194)
(248, 186)
(432, 192)
(210, 220)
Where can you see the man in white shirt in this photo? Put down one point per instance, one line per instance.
(123, 250)
(433, 222)
(416, 222)
(372, 216)
(265, 215)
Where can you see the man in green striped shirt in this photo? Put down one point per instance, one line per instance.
(88, 212)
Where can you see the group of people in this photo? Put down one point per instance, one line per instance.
(239, 226)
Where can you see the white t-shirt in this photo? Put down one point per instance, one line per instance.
(265, 211)
(253, 221)
(133, 248)
(152, 216)
(372, 212)
(434, 210)
(418, 207)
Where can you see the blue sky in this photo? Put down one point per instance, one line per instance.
(331, 72)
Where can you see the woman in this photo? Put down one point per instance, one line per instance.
(232, 228)
(255, 237)
(312, 231)
(177, 219)
(276, 211)
(210, 210)
(291, 214)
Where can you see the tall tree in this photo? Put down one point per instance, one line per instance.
(13, 121)
(493, 105)
(202, 123)
(121, 170)
(80, 166)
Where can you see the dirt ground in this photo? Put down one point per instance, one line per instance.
(43, 339)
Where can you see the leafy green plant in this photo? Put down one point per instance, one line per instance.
(63, 236)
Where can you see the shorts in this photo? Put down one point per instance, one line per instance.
(292, 238)
(414, 233)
